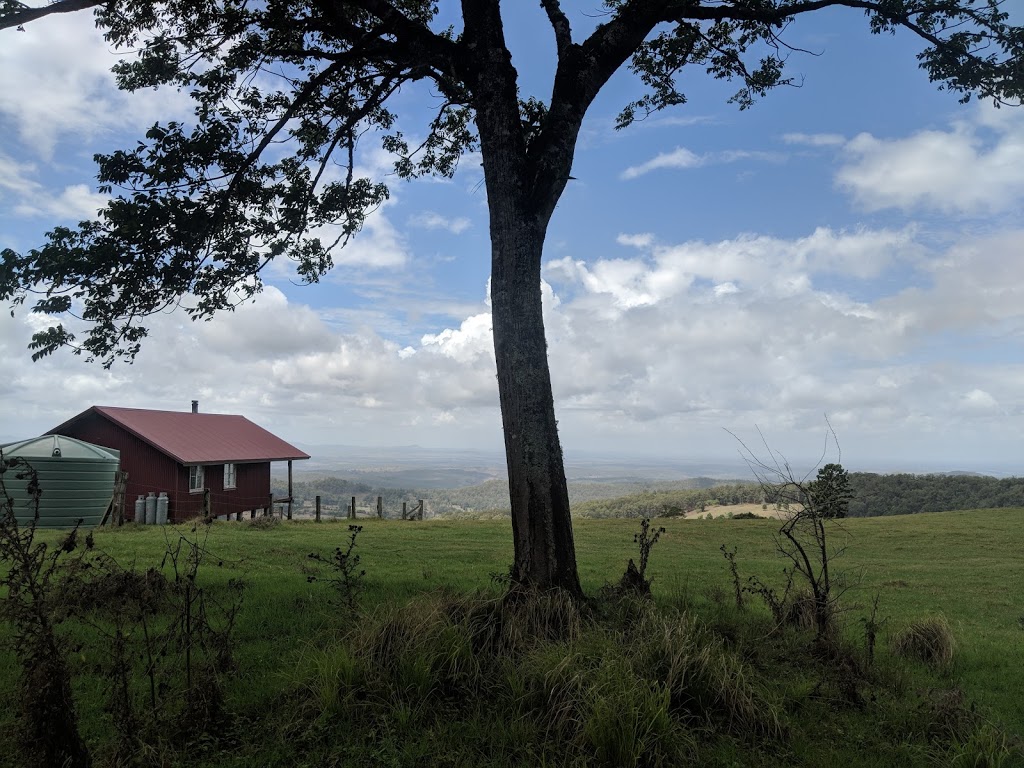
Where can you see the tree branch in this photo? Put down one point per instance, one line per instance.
(15, 18)
(560, 23)
(426, 45)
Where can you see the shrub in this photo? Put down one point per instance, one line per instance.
(929, 640)
(32, 578)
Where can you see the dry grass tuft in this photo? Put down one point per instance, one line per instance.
(929, 640)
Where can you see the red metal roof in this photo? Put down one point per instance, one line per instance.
(199, 438)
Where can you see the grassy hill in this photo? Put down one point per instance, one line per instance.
(416, 679)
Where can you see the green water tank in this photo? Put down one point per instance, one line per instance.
(76, 480)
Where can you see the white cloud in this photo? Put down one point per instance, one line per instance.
(979, 400)
(16, 177)
(434, 220)
(75, 202)
(683, 158)
(671, 345)
(378, 245)
(639, 240)
(469, 343)
(58, 85)
(976, 167)
(680, 157)
(815, 139)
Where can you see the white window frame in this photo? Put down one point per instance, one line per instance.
(196, 481)
(230, 476)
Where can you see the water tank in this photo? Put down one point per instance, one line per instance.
(151, 508)
(140, 510)
(76, 480)
(161, 508)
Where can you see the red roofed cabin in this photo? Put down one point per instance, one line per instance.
(184, 453)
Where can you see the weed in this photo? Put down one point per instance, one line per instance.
(35, 608)
(928, 640)
(635, 579)
(985, 747)
(803, 538)
(348, 576)
(871, 627)
(263, 523)
(777, 604)
(730, 556)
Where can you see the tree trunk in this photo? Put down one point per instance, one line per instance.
(520, 199)
(545, 555)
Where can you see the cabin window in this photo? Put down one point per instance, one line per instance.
(229, 475)
(195, 479)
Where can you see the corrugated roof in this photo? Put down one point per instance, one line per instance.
(199, 438)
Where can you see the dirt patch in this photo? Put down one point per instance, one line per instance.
(736, 509)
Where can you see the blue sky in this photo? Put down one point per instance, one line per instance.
(851, 246)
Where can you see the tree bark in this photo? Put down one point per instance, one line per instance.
(545, 554)
(519, 208)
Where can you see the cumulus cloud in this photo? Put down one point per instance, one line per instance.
(671, 344)
(75, 202)
(974, 167)
(742, 332)
(24, 196)
(58, 85)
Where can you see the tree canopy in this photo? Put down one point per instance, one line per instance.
(200, 208)
(288, 94)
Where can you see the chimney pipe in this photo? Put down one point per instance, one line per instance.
(195, 406)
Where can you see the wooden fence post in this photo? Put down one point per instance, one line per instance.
(291, 493)
(270, 506)
(403, 511)
(207, 509)
(318, 509)
(252, 514)
(380, 506)
(352, 509)
(420, 514)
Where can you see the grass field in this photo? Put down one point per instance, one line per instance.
(965, 566)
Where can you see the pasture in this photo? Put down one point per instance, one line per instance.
(292, 642)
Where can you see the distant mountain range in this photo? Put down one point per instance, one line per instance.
(413, 466)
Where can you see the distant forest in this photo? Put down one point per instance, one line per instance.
(877, 495)
(874, 495)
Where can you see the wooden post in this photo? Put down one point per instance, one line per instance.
(252, 514)
(380, 506)
(421, 510)
(207, 509)
(238, 516)
(403, 511)
(318, 509)
(352, 509)
(290, 495)
(270, 506)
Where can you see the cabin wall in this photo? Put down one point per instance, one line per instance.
(251, 491)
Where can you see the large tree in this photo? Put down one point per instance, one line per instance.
(199, 208)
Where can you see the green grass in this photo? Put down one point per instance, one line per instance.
(293, 646)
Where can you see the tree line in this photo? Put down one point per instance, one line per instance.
(873, 495)
(903, 494)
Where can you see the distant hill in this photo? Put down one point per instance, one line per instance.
(903, 494)
(874, 494)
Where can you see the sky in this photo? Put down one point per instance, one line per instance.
(848, 248)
